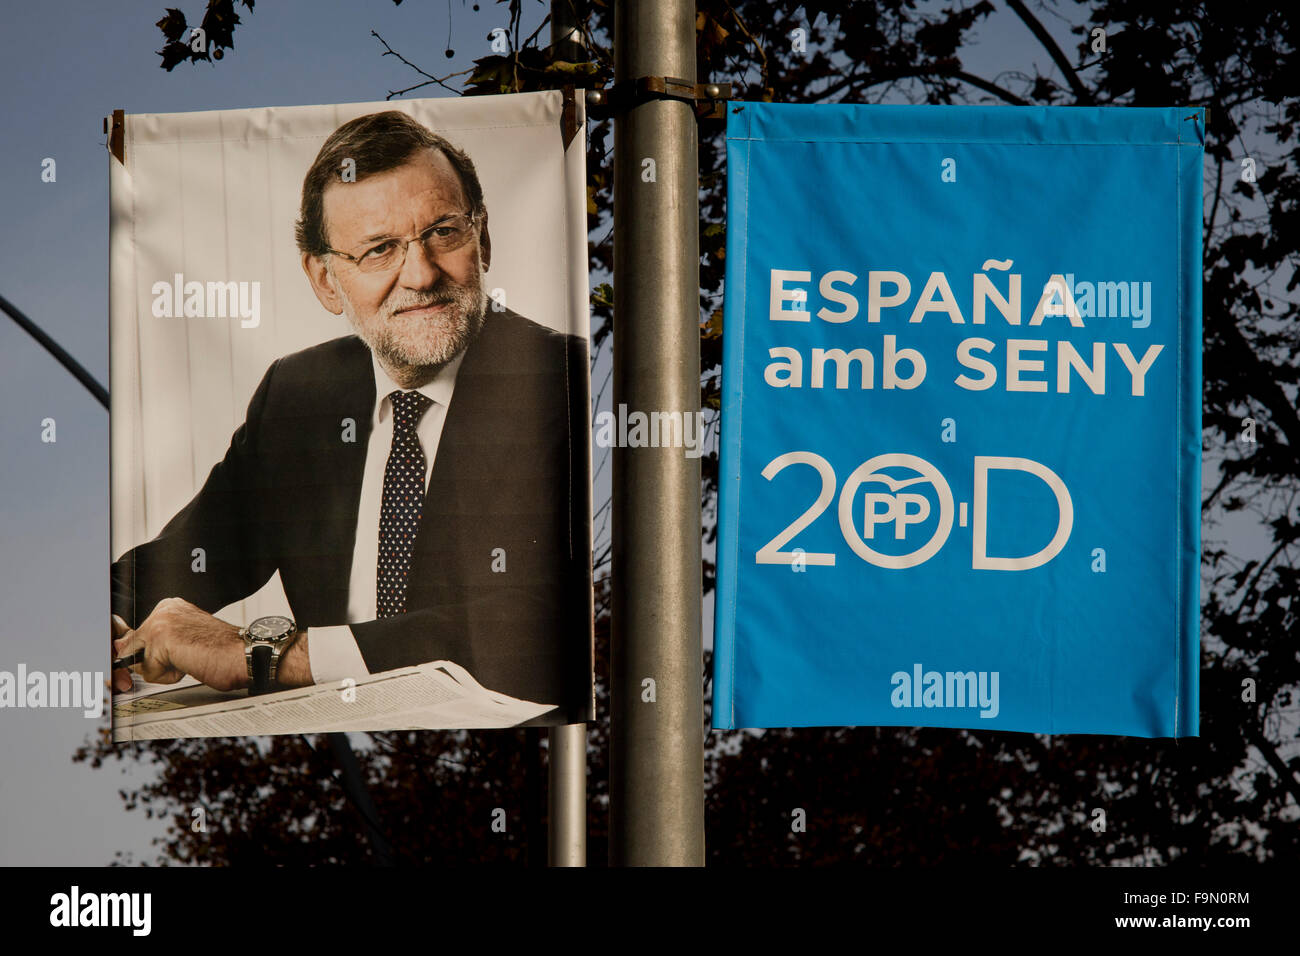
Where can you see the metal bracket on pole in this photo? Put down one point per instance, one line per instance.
(708, 99)
(115, 127)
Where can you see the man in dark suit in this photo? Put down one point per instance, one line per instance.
(422, 486)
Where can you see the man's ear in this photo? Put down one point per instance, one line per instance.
(322, 283)
(485, 243)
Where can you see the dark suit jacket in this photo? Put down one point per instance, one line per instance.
(511, 472)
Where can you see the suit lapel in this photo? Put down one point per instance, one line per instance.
(348, 393)
(467, 425)
(461, 492)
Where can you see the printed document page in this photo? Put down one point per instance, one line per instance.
(439, 695)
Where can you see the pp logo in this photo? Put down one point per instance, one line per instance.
(896, 502)
(899, 507)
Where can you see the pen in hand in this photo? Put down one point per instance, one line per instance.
(124, 662)
(120, 629)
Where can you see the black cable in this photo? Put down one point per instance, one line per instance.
(53, 347)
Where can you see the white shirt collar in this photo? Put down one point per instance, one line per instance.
(438, 390)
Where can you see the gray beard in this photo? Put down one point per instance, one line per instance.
(412, 350)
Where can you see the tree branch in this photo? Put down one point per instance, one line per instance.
(988, 87)
(1214, 209)
(921, 72)
(1081, 93)
(1265, 747)
(758, 47)
(1259, 572)
(1260, 382)
(389, 51)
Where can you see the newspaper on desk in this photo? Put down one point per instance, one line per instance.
(439, 695)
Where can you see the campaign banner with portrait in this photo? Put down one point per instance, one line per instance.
(960, 462)
(350, 418)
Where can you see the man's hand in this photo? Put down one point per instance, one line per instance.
(121, 678)
(178, 639)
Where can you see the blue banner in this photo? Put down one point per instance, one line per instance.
(961, 426)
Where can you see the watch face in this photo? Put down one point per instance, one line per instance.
(270, 628)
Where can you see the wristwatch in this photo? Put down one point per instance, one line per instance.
(264, 641)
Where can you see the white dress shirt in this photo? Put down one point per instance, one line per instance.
(333, 651)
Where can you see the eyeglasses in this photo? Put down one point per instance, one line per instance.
(446, 235)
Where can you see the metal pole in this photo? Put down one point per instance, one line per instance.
(656, 778)
(566, 40)
(567, 766)
(354, 785)
(568, 796)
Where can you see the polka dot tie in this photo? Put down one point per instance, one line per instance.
(403, 502)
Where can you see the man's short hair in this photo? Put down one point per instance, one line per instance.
(376, 143)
